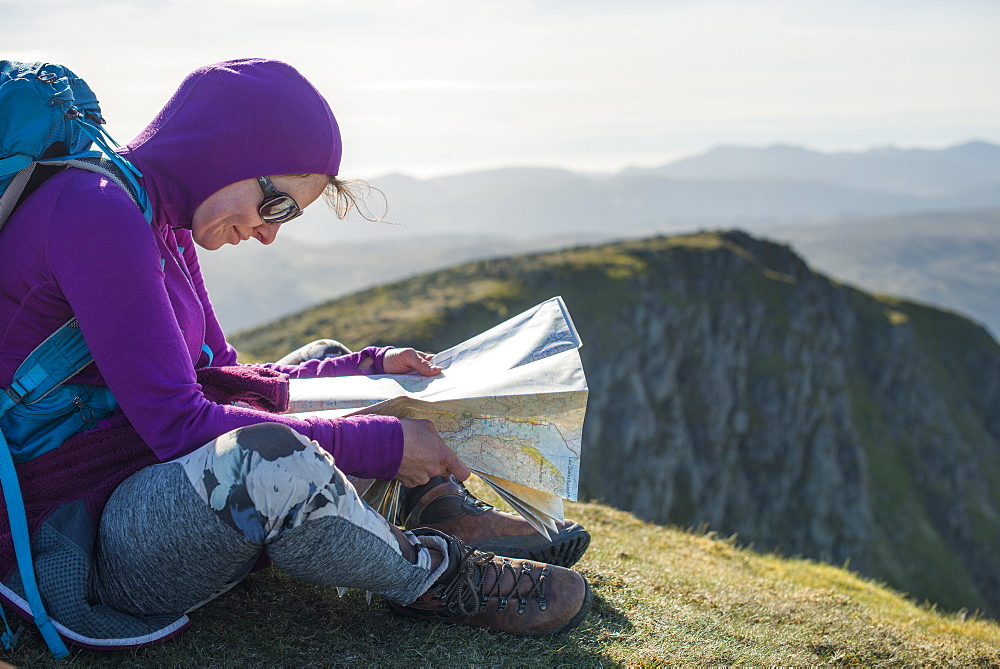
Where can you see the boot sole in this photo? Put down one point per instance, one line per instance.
(564, 550)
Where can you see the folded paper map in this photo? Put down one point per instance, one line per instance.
(510, 402)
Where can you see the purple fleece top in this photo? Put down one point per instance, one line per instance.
(79, 246)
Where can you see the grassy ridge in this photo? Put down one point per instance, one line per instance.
(663, 596)
(443, 308)
(613, 287)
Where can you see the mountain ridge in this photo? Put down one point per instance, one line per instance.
(927, 172)
(760, 398)
(942, 258)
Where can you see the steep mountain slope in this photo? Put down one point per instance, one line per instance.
(732, 386)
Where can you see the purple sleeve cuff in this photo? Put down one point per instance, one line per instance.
(368, 445)
(344, 365)
(377, 354)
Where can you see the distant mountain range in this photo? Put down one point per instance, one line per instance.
(966, 168)
(917, 240)
(754, 188)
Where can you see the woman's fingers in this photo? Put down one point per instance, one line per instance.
(425, 455)
(406, 360)
(458, 468)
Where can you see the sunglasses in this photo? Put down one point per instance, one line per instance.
(277, 207)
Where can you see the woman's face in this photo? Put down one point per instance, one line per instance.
(230, 215)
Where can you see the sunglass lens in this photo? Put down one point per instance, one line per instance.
(279, 210)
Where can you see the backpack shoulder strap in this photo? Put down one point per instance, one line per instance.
(51, 364)
(18, 520)
(122, 173)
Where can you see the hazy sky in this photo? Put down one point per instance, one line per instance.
(428, 87)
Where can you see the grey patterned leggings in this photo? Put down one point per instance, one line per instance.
(175, 535)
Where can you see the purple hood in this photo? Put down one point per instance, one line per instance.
(79, 247)
(228, 122)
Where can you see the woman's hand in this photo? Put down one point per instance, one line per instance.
(425, 455)
(406, 360)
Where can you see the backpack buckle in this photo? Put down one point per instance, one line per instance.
(14, 395)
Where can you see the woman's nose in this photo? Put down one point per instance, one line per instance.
(265, 233)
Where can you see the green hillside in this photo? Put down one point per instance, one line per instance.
(437, 310)
(662, 596)
(733, 387)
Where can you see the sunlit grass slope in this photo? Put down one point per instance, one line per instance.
(662, 596)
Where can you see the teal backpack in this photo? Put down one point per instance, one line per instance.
(49, 120)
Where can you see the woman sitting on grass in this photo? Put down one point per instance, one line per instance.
(200, 490)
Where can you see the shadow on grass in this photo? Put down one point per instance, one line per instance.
(271, 619)
(608, 619)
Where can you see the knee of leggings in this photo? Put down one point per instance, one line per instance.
(326, 348)
(288, 478)
(271, 440)
(316, 350)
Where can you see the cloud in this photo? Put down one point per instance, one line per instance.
(464, 86)
(470, 81)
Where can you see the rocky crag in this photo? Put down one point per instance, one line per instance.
(735, 388)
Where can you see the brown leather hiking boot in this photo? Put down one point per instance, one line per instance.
(521, 597)
(445, 504)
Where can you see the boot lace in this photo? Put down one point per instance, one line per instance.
(467, 594)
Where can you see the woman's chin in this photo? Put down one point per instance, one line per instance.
(210, 244)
